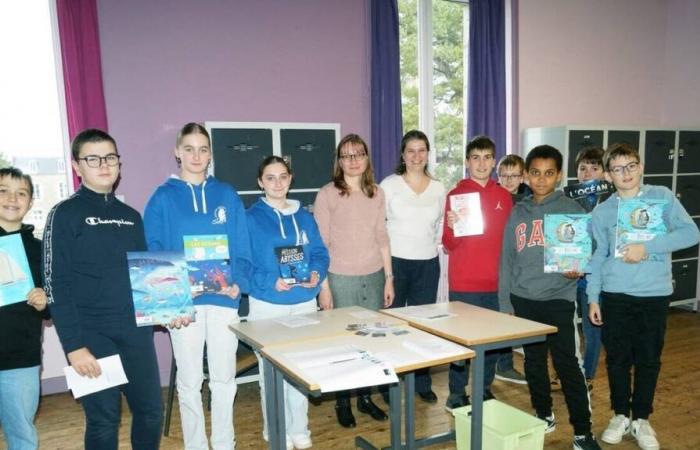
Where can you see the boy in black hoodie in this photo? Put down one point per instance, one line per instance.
(20, 323)
(524, 288)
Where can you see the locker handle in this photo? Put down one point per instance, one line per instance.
(671, 153)
(680, 153)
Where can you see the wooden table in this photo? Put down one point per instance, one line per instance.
(479, 329)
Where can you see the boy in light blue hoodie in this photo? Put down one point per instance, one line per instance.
(629, 295)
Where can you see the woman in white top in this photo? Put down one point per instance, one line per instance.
(414, 212)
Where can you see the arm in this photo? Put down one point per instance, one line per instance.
(594, 278)
(448, 238)
(155, 223)
(318, 253)
(508, 254)
(322, 214)
(239, 248)
(382, 239)
(682, 233)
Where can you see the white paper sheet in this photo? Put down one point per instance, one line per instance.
(296, 321)
(112, 375)
(468, 208)
(428, 313)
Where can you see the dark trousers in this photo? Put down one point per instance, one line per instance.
(416, 283)
(633, 334)
(103, 409)
(562, 345)
(458, 376)
(591, 335)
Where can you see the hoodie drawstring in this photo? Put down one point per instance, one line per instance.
(194, 199)
(204, 199)
(296, 227)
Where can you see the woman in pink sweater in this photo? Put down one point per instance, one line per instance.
(351, 216)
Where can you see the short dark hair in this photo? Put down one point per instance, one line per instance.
(412, 135)
(272, 159)
(544, 152)
(17, 174)
(481, 143)
(512, 161)
(590, 155)
(92, 135)
(619, 149)
(192, 128)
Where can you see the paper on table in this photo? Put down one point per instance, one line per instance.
(364, 314)
(468, 208)
(296, 321)
(112, 375)
(428, 313)
(433, 347)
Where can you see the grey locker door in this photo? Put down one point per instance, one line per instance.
(689, 152)
(237, 154)
(688, 192)
(690, 252)
(578, 140)
(659, 181)
(685, 279)
(311, 153)
(624, 137)
(659, 148)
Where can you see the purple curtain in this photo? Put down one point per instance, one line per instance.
(82, 68)
(385, 115)
(487, 72)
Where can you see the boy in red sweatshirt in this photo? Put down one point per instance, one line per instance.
(474, 259)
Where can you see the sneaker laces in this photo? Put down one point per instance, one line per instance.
(618, 422)
(645, 430)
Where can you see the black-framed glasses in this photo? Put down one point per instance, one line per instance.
(632, 167)
(510, 177)
(95, 161)
(358, 157)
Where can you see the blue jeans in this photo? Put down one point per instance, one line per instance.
(591, 335)
(19, 398)
(459, 373)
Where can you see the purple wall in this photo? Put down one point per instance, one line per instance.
(168, 62)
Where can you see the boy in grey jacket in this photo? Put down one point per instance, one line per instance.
(548, 298)
(629, 295)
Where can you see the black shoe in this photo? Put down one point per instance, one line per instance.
(385, 397)
(428, 396)
(586, 442)
(344, 413)
(488, 395)
(456, 401)
(366, 406)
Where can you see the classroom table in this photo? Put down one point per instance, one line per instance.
(479, 329)
(397, 350)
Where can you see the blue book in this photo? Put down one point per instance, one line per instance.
(589, 193)
(160, 287)
(293, 264)
(208, 262)
(15, 277)
(567, 242)
(639, 220)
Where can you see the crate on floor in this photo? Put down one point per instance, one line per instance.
(504, 428)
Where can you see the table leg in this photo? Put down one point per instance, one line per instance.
(271, 407)
(477, 396)
(410, 406)
(395, 414)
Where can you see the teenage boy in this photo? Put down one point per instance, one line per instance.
(87, 280)
(20, 323)
(629, 295)
(472, 279)
(548, 298)
(511, 175)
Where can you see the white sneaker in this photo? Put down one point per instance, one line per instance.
(618, 427)
(645, 435)
(301, 441)
(289, 443)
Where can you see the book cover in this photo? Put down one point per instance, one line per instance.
(160, 287)
(638, 220)
(208, 262)
(15, 277)
(589, 193)
(468, 208)
(293, 264)
(567, 242)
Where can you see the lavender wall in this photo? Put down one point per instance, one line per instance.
(168, 62)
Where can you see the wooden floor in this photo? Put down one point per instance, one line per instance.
(676, 420)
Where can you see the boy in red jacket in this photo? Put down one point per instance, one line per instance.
(474, 259)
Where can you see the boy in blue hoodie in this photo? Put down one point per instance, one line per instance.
(629, 295)
(524, 288)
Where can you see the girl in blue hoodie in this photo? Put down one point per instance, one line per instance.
(197, 204)
(290, 261)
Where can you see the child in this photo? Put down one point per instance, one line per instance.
(20, 323)
(510, 171)
(87, 281)
(629, 296)
(545, 297)
(475, 280)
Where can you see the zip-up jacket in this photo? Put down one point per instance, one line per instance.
(473, 265)
(85, 271)
(271, 228)
(20, 324)
(651, 277)
(178, 208)
(522, 256)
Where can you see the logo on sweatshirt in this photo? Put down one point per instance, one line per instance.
(99, 221)
(219, 215)
(536, 236)
(498, 206)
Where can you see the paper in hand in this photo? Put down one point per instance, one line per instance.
(112, 375)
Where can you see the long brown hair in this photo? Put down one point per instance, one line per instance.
(367, 181)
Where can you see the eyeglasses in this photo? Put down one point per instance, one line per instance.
(510, 177)
(358, 157)
(95, 161)
(630, 168)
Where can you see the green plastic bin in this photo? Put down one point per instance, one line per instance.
(504, 428)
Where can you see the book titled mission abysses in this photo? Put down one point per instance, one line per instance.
(639, 220)
(160, 287)
(293, 264)
(15, 277)
(208, 262)
(567, 242)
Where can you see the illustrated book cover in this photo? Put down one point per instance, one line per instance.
(208, 262)
(468, 208)
(639, 220)
(15, 277)
(293, 264)
(567, 242)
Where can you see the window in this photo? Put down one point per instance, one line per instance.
(35, 217)
(63, 190)
(433, 37)
(60, 166)
(37, 191)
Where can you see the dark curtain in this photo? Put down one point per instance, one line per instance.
(386, 122)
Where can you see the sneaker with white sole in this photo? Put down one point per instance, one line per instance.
(301, 441)
(586, 442)
(511, 376)
(551, 423)
(618, 427)
(644, 434)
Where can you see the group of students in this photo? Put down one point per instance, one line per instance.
(370, 245)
